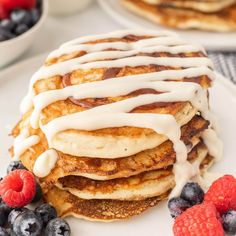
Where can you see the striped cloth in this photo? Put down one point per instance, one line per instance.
(225, 63)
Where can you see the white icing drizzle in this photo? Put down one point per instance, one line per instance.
(184, 171)
(71, 65)
(213, 143)
(23, 142)
(119, 34)
(123, 86)
(117, 114)
(68, 66)
(122, 46)
(45, 163)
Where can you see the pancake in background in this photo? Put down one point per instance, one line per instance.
(207, 6)
(222, 21)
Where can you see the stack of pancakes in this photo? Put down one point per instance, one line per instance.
(212, 15)
(113, 173)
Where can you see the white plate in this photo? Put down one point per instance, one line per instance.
(13, 85)
(210, 40)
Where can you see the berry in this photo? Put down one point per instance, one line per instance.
(10, 4)
(177, 206)
(7, 25)
(38, 194)
(193, 193)
(58, 227)
(27, 223)
(3, 232)
(15, 165)
(229, 221)
(46, 212)
(5, 35)
(38, 4)
(222, 193)
(18, 188)
(199, 220)
(4, 13)
(21, 16)
(4, 212)
(35, 15)
(15, 213)
(20, 29)
(10, 232)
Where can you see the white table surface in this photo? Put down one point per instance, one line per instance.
(56, 30)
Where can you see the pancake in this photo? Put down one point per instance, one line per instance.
(106, 210)
(67, 204)
(112, 123)
(104, 169)
(202, 6)
(145, 185)
(222, 21)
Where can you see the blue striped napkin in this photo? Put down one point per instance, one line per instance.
(225, 63)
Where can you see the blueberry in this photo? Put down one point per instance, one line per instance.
(46, 212)
(4, 212)
(20, 29)
(229, 222)
(3, 38)
(58, 227)
(193, 193)
(38, 4)
(27, 223)
(5, 35)
(15, 165)
(38, 194)
(21, 16)
(11, 232)
(14, 214)
(7, 24)
(3, 232)
(35, 15)
(177, 206)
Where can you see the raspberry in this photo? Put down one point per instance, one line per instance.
(199, 220)
(11, 5)
(4, 13)
(222, 194)
(18, 188)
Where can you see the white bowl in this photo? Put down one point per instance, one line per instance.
(13, 48)
(67, 7)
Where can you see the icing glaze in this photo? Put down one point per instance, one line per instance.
(45, 163)
(23, 142)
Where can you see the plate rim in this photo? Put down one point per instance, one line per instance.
(19, 64)
(124, 21)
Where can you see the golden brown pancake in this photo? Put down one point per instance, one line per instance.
(104, 169)
(138, 187)
(202, 5)
(67, 204)
(103, 210)
(222, 21)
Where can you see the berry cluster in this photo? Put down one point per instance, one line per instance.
(18, 189)
(18, 16)
(209, 214)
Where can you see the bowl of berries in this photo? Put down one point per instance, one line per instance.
(20, 22)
